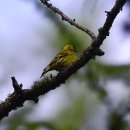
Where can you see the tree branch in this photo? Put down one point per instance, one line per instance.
(69, 20)
(17, 99)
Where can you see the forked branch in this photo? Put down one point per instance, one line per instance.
(19, 96)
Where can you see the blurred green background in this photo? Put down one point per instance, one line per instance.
(96, 97)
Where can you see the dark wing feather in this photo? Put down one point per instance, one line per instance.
(56, 63)
(58, 58)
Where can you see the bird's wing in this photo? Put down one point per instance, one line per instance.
(59, 58)
(56, 62)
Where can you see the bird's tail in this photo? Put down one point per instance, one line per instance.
(45, 71)
(42, 73)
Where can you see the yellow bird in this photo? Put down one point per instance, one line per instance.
(62, 59)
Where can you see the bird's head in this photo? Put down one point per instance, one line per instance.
(69, 48)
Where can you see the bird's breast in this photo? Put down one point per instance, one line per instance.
(69, 59)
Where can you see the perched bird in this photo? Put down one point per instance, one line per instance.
(62, 59)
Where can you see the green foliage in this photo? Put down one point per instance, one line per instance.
(71, 117)
(117, 122)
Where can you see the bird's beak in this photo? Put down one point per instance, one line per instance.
(75, 50)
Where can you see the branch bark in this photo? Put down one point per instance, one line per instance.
(69, 20)
(41, 87)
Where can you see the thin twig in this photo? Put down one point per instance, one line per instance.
(17, 87)
(69, 20)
